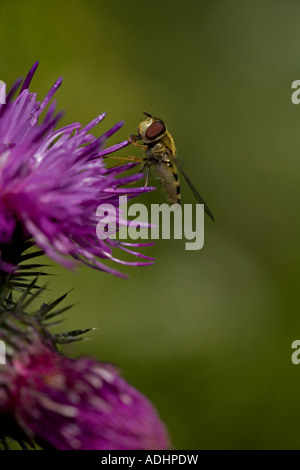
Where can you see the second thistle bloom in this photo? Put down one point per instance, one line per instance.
(77, 404)
(52, 181)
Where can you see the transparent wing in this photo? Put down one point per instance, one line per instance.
(194, 190)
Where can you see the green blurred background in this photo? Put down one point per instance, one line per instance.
(205, 335)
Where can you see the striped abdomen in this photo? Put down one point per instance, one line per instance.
(167, 173)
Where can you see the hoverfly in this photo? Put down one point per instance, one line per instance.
(160, 153)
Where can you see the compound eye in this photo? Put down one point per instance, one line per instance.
(155, 129)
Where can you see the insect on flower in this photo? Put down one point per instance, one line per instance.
(52, 181)
(160, 152)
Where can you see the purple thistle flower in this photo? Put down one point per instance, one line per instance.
(52, 181)
(77, 404)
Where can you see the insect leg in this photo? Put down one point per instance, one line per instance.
(133, 140)
(147, 174)
(121, 159)
(139, 145)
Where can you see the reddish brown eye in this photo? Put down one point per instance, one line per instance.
(155, 130)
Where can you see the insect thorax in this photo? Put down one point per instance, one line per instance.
(162, 150)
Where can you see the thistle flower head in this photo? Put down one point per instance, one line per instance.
(52, 180)
(51, 184)
(77, 404)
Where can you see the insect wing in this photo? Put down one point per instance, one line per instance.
(196, 194)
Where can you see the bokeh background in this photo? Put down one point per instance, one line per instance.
(206, 335)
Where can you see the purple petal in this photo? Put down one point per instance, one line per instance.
(29, 77)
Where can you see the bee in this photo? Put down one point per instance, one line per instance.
(160, 153)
